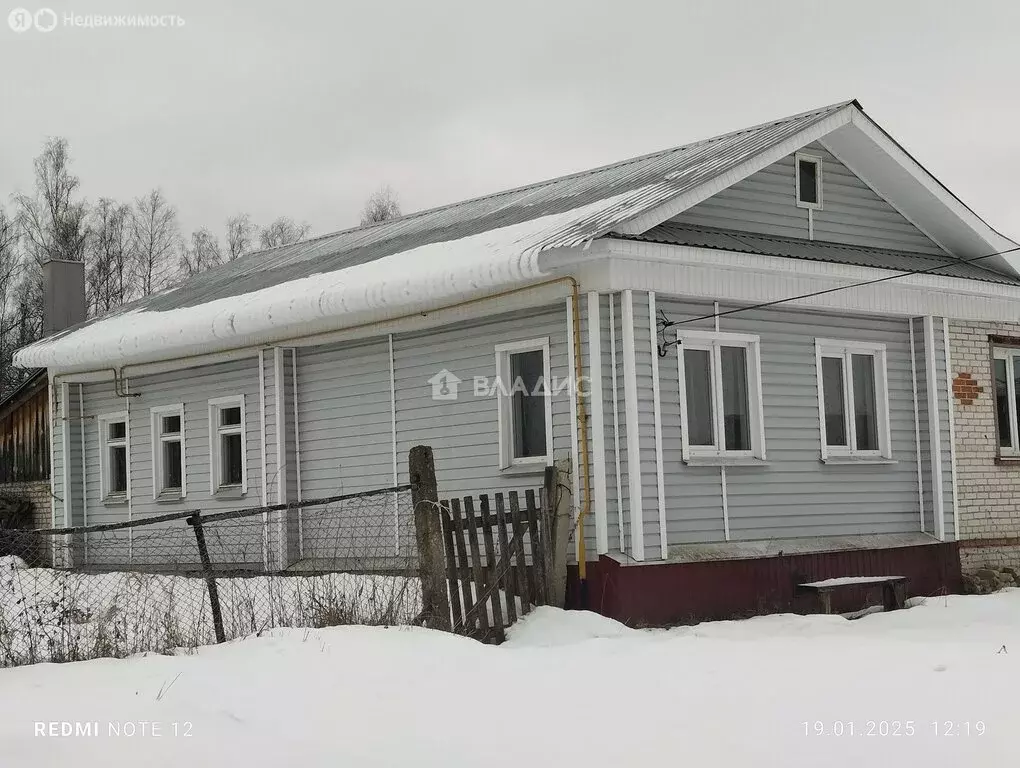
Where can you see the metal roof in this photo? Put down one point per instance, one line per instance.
(650, 179)
(816, 250)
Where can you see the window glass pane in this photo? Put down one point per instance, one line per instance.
(171, 464)
(118, 469)
(171, 425)
(736, 406)
(117, 430)
(527, 398)
(230, 416)
(865, 410)
(832, 399)
(231, 458)
(808, 181)
(698, 380)
(1002, 403)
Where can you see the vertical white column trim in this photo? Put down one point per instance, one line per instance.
(917, 424)
(393, 446)
(810, 224)
(84, 476)
(934, 427)
(952, 427)
(265, 470)
(280, 405)
(630, 401)
(723, 489)
(297, 453)
(262, 422)
(660, 485)
(65, 449)
(281, 432)
(598, 423)
(616, 421)
(574, 463)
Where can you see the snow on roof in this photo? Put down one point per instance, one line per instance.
(422, 260)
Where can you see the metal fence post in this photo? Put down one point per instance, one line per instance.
(429, 535)
(195, 521)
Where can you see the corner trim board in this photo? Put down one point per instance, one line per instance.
(598, 423)
(934, 428)
(633, 437)
(657, 415)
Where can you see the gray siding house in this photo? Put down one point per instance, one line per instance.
(746, 337)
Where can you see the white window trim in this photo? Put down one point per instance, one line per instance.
(805, 157)
(103, 421)
(712, 341)
(155, 416)
(844, 349)
(216, 465)
(505, 414)
(1007, 353)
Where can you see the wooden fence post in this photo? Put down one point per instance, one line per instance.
(429, 535)
(195, 521)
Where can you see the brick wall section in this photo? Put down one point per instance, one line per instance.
(38, 492)
(988, 493)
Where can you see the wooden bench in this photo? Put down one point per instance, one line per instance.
(894, 589)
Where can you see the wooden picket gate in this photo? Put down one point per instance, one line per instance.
(498, 559)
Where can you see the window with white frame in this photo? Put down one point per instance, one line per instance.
(525, 404)
(720, 395)
(1006, 370)
(853, 399)
(113, 456)
(168, 480)
(229, 472)
(809, 181)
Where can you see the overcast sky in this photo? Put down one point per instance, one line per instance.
(304, 108)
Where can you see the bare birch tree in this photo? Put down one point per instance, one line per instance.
(240, 236)
(108, 262)
(283, 231)
(52, 221)
(382, 205)
(155, 241)
(201, 254)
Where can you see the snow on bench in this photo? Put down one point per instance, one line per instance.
(894, 589)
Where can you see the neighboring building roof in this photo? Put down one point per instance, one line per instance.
(672, 233)
(432, 258)
(35, 380)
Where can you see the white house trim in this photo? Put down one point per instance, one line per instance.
(616, 421)
(65, 431)
(844, 349)
(596, 407)
(952, 428)
(155, 438)
(393, 443)
(815, 160)
(660, 485)
(917, 425)
(934, 427)
(505, 424)
(281, 434)
(753, 278)
(262, 434)
(84, 463)
(630, 400)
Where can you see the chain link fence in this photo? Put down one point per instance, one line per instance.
(187, 579)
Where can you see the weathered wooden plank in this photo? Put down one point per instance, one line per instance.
(506, 576)
(490, 559)
(451, 563)
(463, 574)
(538, 588)
(476, 564)
(519, 526)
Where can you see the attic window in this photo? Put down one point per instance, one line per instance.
(809, 181)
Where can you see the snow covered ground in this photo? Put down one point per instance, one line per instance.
(935, 685)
